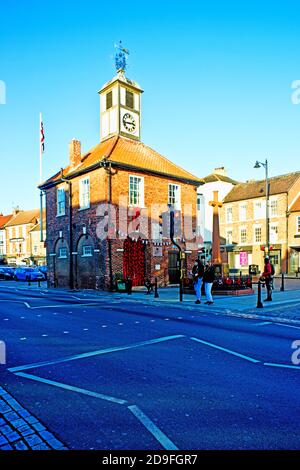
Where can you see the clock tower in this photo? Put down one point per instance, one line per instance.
(120, 103)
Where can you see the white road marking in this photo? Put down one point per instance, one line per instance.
(152, 428)
(71, 388)
(288, 326)
(64, 306)
(263, 323)
(15, 302)
(96, 353)
(286, 366)
(44, 336)
(229, 351)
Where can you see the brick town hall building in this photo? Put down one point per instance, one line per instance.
(103, 210)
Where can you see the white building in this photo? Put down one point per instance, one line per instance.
(216, 181)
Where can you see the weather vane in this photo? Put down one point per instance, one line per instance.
(121, 57)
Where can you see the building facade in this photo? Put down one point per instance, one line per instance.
(19, 239)
(106, 211)
(38, 245)
(294, 235)
(243, 222)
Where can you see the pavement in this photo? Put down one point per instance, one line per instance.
(20, 430)
(112, 371)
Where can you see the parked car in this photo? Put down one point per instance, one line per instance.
(44, 270)
(28, 274)
(5, 275)
(9, 269)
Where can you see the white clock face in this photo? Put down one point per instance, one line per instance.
(129, 122)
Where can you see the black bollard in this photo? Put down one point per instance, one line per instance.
(259, 302)
(282, 282)
(129, 285)
(29, 283)
(155, 289)
(39, 283)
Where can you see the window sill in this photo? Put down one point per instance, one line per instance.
(86, 256)
(84, 208)
(136, 206)
(60, 215)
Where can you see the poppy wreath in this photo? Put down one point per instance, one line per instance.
(229, 281)
(134, 261)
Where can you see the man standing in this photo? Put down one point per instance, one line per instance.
(208, 278)
(268, 276)
(198, 271)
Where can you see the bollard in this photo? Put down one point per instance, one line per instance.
(129, 285)
(259, 302)
(29, 283)
(39, 283)
(282, 282)
(155, 289)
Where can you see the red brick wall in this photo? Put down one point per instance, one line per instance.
(94, 273)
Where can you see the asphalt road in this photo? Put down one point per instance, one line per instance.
(107, 373)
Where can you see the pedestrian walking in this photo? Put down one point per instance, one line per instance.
(198, 271)
(267, 276)
(208, 278)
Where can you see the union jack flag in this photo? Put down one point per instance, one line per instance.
(42, 137)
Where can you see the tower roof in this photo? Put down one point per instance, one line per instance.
(122, 79)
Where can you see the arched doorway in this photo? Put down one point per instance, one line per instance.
(86, 265)
(134, 261)
(61, 264)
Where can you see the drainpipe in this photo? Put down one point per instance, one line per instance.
(107, 167)
(71, 276)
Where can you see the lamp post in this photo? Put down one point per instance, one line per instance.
(265, 165)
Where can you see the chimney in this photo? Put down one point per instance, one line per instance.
(75, 153)
(16, 210)
(220, 171)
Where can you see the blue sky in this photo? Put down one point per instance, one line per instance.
(217, 77)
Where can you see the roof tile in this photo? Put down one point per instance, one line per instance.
(24, 217)
(124, 151)
(255, 189)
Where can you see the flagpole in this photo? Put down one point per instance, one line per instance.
(41, 180)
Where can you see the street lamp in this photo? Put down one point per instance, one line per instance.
(265, 165)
